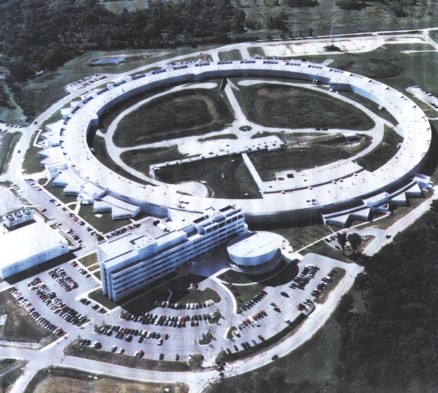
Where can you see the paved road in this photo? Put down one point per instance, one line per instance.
(386, 236)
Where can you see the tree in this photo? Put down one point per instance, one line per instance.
(302, 3)
(344, 308)
(355, 240)
(342, 239)
(361, 283)
(351, 4)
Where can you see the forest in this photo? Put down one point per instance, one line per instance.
(41, 35)
(392, 346)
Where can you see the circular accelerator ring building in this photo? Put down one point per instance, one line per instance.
(255, 252)
(315, 193)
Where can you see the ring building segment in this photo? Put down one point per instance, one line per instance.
(314, 193)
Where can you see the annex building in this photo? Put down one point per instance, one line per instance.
(132, 261)
(22, 246)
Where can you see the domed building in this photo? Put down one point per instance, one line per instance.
(255, 252)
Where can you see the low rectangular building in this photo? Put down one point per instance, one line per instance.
(29, 246)
(132, 261)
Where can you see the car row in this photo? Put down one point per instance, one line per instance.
(74, 236)
(128, 334)
(33, 184)
(39, 319)
(55, 303)
(252, 320)
(63, 279)
(182, 306)
(324, 283)
(306, 303)
(304, 278)
(252, 302)
(163, 320)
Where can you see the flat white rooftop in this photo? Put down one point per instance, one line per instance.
(255, 244)
(28, 241)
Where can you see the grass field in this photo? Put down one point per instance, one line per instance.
(31, 162)
(102, 222)
(102, 155)
(141, 159)
(296, 107)
(230, 55)
(413, 47)
(99, 297)
(332, 285)
(57, 380)
(218, 137)
(57, 192)
(19, 326)
(383, 153)
(372, 106)
(392, 67)
(89, 260)
(301, 236)
(236, 181)
(11, 370)
(7, 145)
(243, 293)
(256, 51)
(180, 294)
(322, 151)
(183, 113)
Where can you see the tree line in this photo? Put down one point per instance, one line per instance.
(40, 35)
(391, 346)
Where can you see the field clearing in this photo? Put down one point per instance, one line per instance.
(7, 145)
(218, 137)
(226, 177)
(102, 155)
(103, 222)
(184, 113)
(296, 107)
(181, 294)
(230, 55)
(398, 70)
(11, 370)
(57, 192)
(89, 260)
(322, 151)
(301, 236)
(31, 162)
(55, 380)
(243, 293)
(141, 159)
(19, 326)
(383, 153)
(412, 46)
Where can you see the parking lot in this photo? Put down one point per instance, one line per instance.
(177, 331)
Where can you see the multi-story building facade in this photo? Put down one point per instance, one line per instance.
(133, 261)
